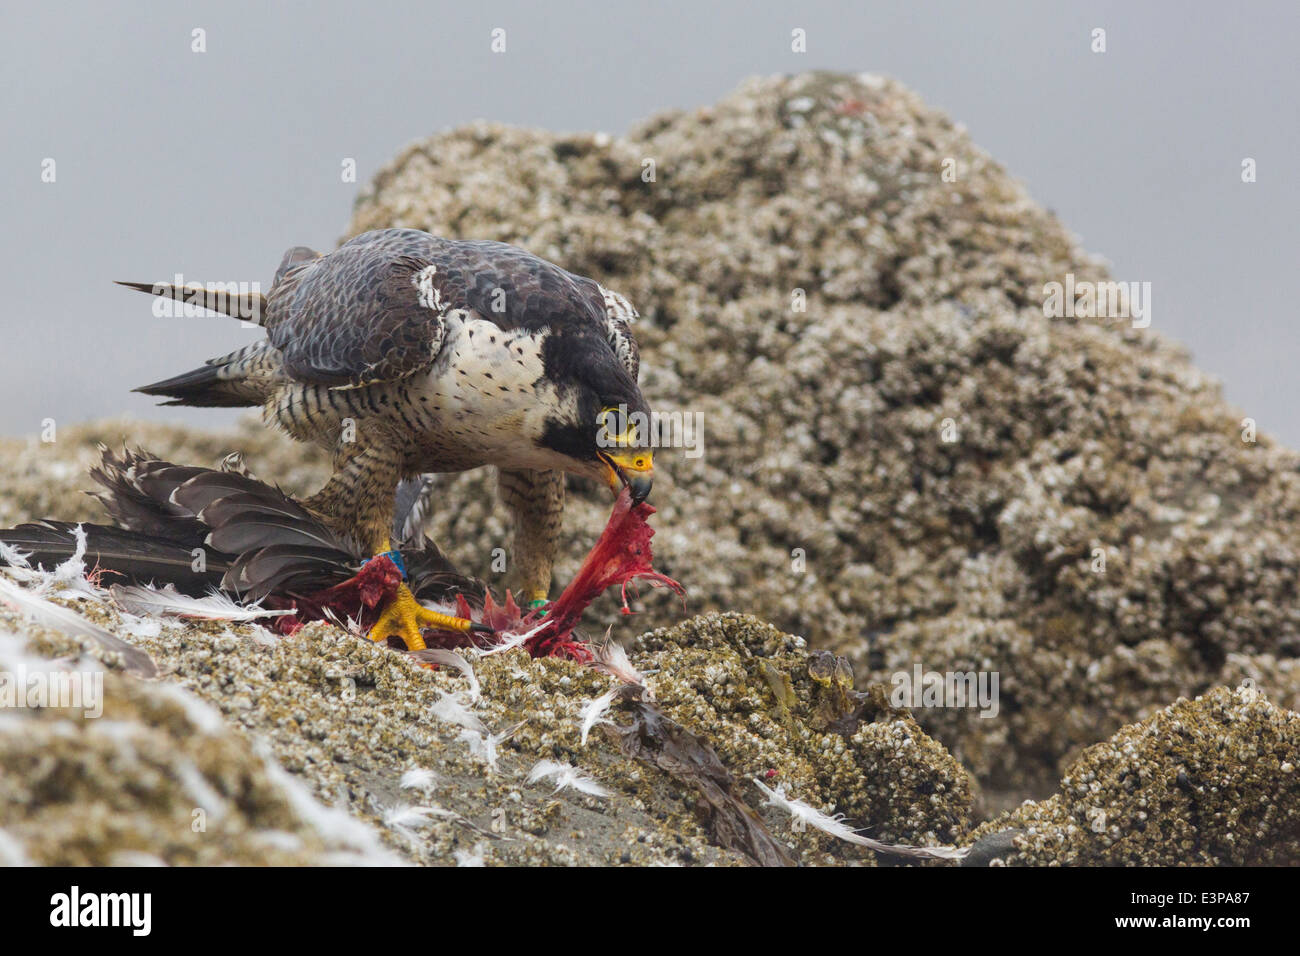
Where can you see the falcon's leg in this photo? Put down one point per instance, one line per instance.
(358, 500)
(404, 617)
(536, 500)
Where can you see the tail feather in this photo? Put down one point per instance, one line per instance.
(249, 306)
(237, 380)
(243, 378)
(202, 387)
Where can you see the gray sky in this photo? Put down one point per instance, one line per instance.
(214, 164)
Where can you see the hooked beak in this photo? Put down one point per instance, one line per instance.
(632, 467)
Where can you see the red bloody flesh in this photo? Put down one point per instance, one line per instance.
(621, 555)
(359, 598)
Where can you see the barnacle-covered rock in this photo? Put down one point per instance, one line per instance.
(256, 735)
(1207, 781)
(903, 460)
(144, 773)
(777, 713)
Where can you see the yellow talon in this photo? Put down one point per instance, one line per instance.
(404, 617)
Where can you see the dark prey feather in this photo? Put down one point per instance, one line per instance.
(410, 506)
(288, 569)
(133, 556)
(203, 486)
(137, 507)
(257, 542)
(245, 503)
(235, 532)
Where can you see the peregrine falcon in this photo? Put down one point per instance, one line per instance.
(403, 353)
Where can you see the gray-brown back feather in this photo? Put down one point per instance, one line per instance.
(359, 314)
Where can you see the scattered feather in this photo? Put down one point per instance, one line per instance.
(12, 853)
(835, 826)
(280, 840)
(13, 557)
(203, 717)
(135, 858)
(418, 778)
(15, 656)
(471, 857)
(68, 580)
(566, 775)
(204, 795)
(133, 626)
(168, 602)
(56, 618)
(611, 657)
(450, 709)
(72, 572)
(512, 641)
(594, 712)
(408, 821)
(487, 747)
(357, 843)
(349, 624)
(438, 655)
(261, 636)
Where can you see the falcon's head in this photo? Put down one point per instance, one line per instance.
(602, 423)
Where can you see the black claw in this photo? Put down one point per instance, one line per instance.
(476, 628)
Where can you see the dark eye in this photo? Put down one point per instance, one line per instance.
(614, 422)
